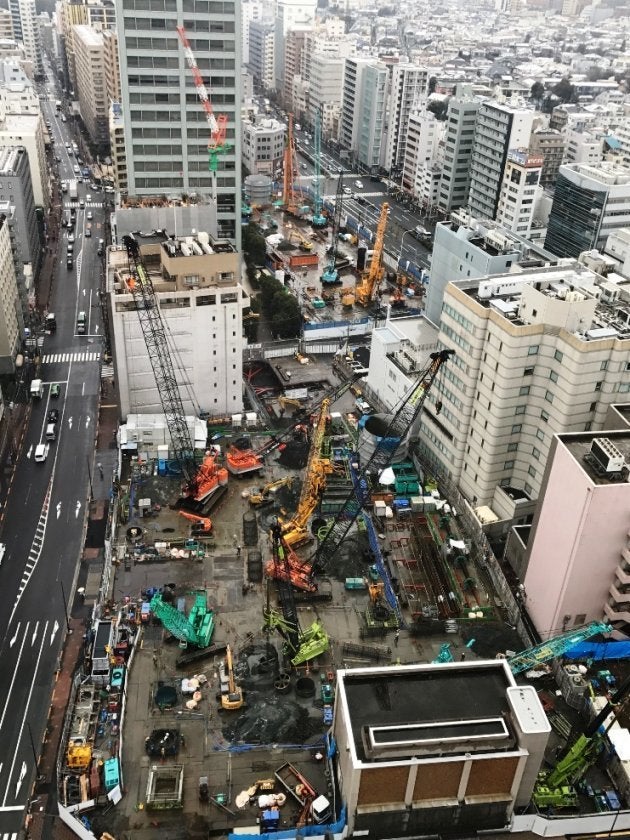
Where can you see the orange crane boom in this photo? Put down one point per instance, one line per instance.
(371, 279)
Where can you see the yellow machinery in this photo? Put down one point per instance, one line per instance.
(295, 531)
(231, 694)
(304, 244)
(267, 492)
(289, 402)
(79, 754)
(371, 278)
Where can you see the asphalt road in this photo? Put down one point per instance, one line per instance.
(46, 509)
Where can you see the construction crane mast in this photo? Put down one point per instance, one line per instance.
(295, 531)
(216, 123)
(318, 219)
(401, 425)
(156, 342)
(331, 275)
(371, 279)
(288, 184)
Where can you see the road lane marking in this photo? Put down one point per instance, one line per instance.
(14, 639)
(34, 636)
(26, 707)
(15, 672)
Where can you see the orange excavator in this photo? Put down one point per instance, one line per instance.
(201, 524)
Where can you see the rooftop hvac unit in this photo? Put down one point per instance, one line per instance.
(196, 248)
(185, 249)
(203, 237)
(604, 451)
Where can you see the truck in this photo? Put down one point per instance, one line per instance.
(303, 260)
(73, 189)
(37, 389)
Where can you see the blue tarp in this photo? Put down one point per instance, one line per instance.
(599, 651)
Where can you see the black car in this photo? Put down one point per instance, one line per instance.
(53, 415)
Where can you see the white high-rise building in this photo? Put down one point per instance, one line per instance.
(261, 47)
(290, 14)
(251, 10)
(26, 29)
(408, 84)
(499, 127)
(424, 133)
(361, 126)
(166, 132)
(326, 78)
(518, 191)
(458, 143)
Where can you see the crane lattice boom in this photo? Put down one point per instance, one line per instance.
(401, 425)
(217, 125)
(371, 279)
(156, 342)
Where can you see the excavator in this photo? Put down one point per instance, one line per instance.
(201, 524)
(231, 694)
(298, 572)
(300, 645)
(556, 789)
(208, 479)
(295, 531)
(370, 281)
(265, 494)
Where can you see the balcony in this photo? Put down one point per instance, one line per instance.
(619, 612)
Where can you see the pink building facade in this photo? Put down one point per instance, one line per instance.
(578, 555)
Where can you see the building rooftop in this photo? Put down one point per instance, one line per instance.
(426, 709)
(609, 174)
(8, 159)
(603, 456)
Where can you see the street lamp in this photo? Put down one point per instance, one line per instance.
(402, 240)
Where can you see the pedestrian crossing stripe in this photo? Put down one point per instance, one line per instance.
(87, 205)
(8, 836)
(107, 371)
(357, 193)
(57, 358)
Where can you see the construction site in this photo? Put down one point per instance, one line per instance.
(298, 634)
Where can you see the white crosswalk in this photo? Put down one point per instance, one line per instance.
(7, 836)
(88, 204)
(362, 194)
(107, 371)
(58, 358)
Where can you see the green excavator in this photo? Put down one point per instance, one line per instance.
(195, 630)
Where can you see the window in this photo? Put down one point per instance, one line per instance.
(540, 435)
(508, 465)
(544, 416)
(528, 371)
(549, 396)
(587, 427)
(604, 365)
(533, 350)
(580, 619)
(528, 488)
(512, 447)
(553, 376)
(532, 472)
(592, 406)
(520, 409)
(516, 428)
(598, 385)
(523, 391)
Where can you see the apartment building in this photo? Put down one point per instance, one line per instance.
(261, 45)
(26, 30)
(407, 86)
(293, 51)
(251, 11)
(6, 25)
(583, 147)
(467, 248)
(94, 13)
(586, 490)
(27, 130)
(117, 147)
(166, 133)
(539, 351)
(518, 191)
(89, 56)
(263, 146)
(363, 102)
(110, 66)
(498, 128)
(10, 308)
(196, 279)
(289, 14)
(589, 203)
(548, 144)
(458, 143)
(18, 208)
(325, 85)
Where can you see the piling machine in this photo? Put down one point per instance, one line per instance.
(366, 290)
(331, 275)
(318, 219)
(300, 645)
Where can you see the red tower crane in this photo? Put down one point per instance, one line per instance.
(216, 123)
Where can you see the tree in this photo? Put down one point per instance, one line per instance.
(537, 91)
(432, 84)
(286, 321)
(439, 107)
(254, 247)
(564, 90)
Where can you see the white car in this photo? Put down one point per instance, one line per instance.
(3, 551)
(358, 185)
(71, 237)
(347, 191)
(88, 197)
(89, 215)
(41, 451)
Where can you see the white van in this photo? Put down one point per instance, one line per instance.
(41, 450)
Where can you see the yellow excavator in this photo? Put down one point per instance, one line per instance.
(231, 694)
(266, 493)
(371, 279)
